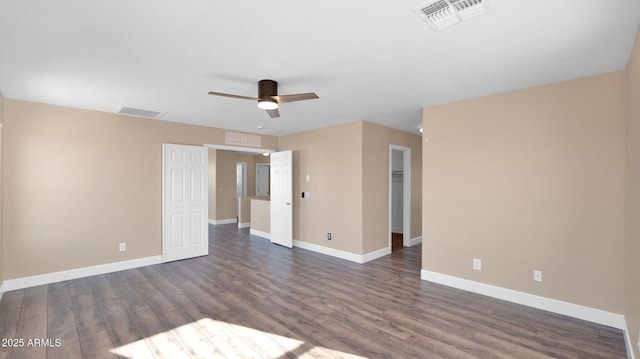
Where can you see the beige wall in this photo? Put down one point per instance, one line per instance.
(1, 197)
(632, 250)
(244, 210)
(261, 215)
(348, 167)
(77, 182)
(531, 179)
(375, 205)
(225, 190)
(332, 157)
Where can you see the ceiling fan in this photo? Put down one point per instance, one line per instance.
(268, 98)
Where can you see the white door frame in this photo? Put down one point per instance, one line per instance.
(406, 193)
(252, 150)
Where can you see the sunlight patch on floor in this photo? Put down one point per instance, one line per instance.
(208, 338)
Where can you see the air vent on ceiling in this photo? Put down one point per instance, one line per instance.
(137, 112)
(241, 139)
(444, 13)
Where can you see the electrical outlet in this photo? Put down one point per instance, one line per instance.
(477, 264)
(328, 236)
(123, 247)
(537, 276)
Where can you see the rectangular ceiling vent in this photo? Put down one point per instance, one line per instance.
(137, 112)
(444, 13)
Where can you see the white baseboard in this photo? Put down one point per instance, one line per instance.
(357, 258)
(551, 305)
(414, 241)
(244, 225)
(1, 290)
(26, 282)
(628, 342)
(329, 251)
(258, 233)
(376, 254)
(216, 222)
(352, 257)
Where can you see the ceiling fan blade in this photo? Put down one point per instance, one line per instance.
(233, 96)
(273, 113)
(295, 97)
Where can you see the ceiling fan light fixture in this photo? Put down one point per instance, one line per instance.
(268, 98)
(267, 104)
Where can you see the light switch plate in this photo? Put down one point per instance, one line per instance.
(537, 276)
(477, 264)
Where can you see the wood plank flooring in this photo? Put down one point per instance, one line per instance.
(252, 299)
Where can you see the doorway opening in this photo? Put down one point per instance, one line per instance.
(232, 180)
(399, 197)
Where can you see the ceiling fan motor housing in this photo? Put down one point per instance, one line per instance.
(267, 88)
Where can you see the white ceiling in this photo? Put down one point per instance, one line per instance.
(370, 60)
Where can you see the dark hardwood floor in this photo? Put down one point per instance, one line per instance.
(396, 241)
(252, 299)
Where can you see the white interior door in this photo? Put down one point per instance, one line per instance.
(241, 184)
(241, 179)
(282, 198)
(184, 202)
